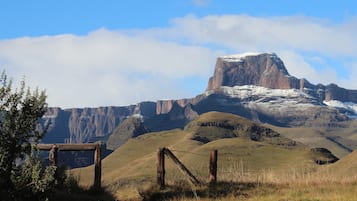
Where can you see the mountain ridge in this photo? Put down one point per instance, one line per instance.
(233, 76)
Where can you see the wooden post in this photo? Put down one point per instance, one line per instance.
(97, 167)
(213, 166)
(161, 168)
(183, 169)
(53, 155)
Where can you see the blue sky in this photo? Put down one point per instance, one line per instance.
(99, 53)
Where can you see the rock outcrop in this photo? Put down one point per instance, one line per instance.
(265, 70)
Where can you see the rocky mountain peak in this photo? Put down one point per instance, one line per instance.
(268, 70)
(260, 69)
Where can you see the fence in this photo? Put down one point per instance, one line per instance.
(161, 167)
(53, 156)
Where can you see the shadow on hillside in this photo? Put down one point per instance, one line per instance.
(214, 191)
(92, 194)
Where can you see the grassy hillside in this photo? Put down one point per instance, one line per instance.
(340, 140)
(313, 137)
(129, 128)
(246, 151)
(343, 170)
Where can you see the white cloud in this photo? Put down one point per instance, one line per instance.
(247, 32)
(123, 67)
(104, 67)
(300, 68)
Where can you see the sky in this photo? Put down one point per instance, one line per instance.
(121, 52)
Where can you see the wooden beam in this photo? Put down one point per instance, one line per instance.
(183, 169)
(68, 147)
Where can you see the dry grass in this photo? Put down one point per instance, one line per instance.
(238, 182)
(266, 185)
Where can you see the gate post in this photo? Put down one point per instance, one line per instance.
(97, 167)
(53, 155)
(161, 168)
(213, 166)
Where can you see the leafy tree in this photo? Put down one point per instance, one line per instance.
(20, 112)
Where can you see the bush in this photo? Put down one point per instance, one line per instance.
(20, 112)
(33, 182)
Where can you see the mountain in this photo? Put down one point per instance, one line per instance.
(268, 70)
(256, 86)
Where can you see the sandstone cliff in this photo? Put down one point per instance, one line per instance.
(252, 69)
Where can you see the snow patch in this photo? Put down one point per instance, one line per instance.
(240, 57)
(49, 116)
(274, 100)
(139, 116)
(349, 106)
(247, 91)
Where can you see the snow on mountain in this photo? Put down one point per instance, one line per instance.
(256, 97)
(247, 91)
(351, 108)
(280, 100)
(259, 93)
(239, 57)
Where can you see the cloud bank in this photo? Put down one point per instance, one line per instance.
(121, 67)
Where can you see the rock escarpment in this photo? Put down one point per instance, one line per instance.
(78, 125)
(265, 70)
(85, 124)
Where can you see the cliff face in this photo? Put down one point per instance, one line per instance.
(266, 70)
(79, 125)
(83, 125)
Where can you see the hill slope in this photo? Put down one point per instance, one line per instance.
(343, 170)
(341, 140)
(129, 128)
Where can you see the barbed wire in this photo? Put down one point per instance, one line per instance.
(189, 152)
(228, 155)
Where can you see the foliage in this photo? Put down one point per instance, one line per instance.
(20, 112)
(33, 182)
